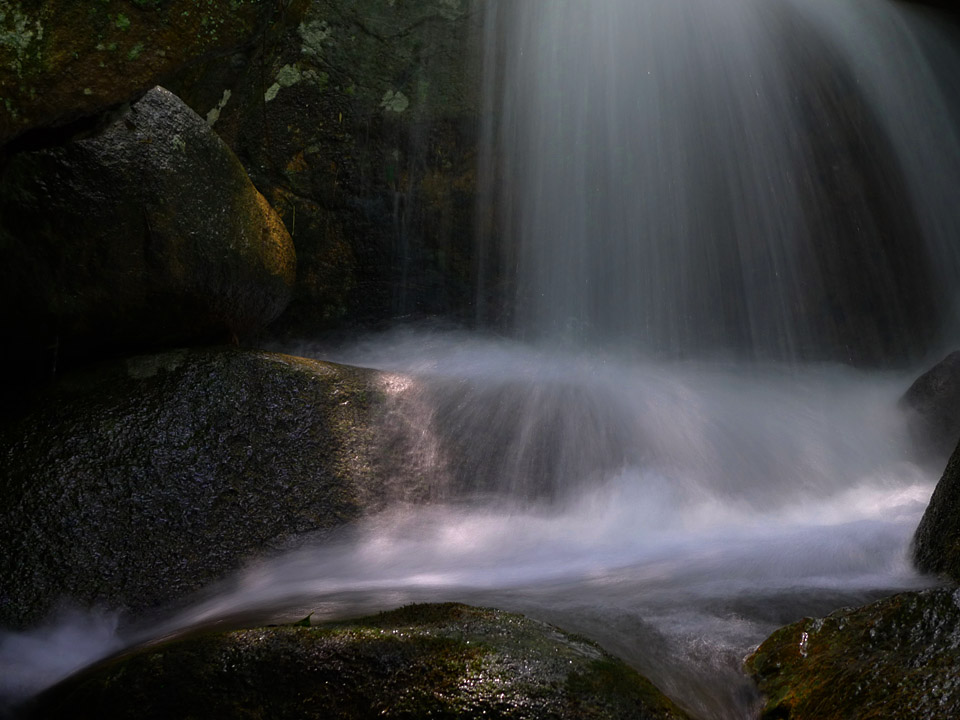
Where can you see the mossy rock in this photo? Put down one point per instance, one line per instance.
(148, 234)
(436, 661)
(61, 60)
(896, 658)
(135, 483)
(360, 124)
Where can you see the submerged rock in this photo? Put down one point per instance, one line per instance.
(136, 483)
(61, 60)
(148, 234)
(936, 544)
(438, 661)
(932, 403)
(896, 658)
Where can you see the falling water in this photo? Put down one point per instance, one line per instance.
(753, 178)
(694, 200)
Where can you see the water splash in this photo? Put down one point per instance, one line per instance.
(711, 178)
(70, 640)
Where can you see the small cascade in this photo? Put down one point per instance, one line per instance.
(685, 203)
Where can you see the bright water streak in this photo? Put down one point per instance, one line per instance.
(768, 179)
(730, 176)
(744, 499)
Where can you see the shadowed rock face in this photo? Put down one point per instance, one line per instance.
(147, 234)
(932, 407)
(895, 658)
(358, 121)
(62, 60)
(936, 544)
(438, 661)
(134, 484)
(932, 403)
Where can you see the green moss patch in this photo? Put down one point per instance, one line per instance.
(896, 658)
(51, 52)
(422, 661)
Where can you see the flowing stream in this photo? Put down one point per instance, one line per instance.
(712, 217)
(698, 507)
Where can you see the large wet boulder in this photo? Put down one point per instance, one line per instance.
(437, 661)
(136, 483)
(148, 234)
(896, 658)
(932, 404)
(936, 544)
(62, 60)
(360, 124)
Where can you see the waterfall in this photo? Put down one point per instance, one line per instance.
(764, 179)
(682, 204)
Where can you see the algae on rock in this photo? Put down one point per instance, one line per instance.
(359, 123)
(895, 658)
(438, 661)
(62, 60)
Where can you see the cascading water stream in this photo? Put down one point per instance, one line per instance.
(700, 508)
(694, 199)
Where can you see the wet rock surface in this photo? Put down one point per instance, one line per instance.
(896, 658)
(136, 483)
(439, 661)
(359, 122)
(936, 544)
(148, 234)
(61, 60)
(933, 406)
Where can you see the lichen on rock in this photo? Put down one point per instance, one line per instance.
(62, 60)
(316, 112)
(395, 101)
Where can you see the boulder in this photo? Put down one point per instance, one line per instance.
(437, 661)
(360, 124)
(148, 234)
(895, 658)
(133, 484)
(932, 404)
(61, 60)
(936, 544)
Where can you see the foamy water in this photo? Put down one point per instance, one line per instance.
(702, 179)
(744, 499)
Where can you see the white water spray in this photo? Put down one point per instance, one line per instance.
(706, 179)
(753, 178)
(740, 502)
